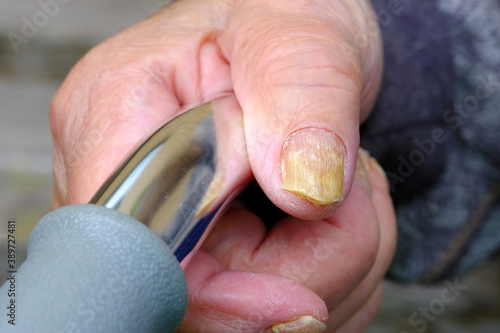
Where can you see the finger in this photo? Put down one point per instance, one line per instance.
(385, 213)
(331, 257)
(302, 97)
(127, 87)
(364, 316)
(239, 301)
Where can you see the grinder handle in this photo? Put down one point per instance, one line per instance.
(93, 269)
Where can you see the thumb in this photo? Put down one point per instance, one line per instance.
(303, 96)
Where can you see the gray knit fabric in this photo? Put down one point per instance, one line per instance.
(436, 131)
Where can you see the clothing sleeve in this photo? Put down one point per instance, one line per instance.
(436, 129)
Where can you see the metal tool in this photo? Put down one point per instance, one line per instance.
(172, 182)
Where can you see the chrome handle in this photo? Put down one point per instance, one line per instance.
(171, 182)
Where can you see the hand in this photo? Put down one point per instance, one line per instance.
(301, 79)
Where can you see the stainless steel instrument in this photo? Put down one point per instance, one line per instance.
(173, 181)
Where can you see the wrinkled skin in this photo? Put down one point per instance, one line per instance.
(289, 65)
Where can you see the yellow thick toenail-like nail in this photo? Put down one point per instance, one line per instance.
(312, 165)
(361, 173)
(305, 324)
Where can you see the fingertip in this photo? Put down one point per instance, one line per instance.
(308, 172)
(312, 166)
(242, 301)
(289, 90)
(200, 269)
(361, 173)
(378, 177)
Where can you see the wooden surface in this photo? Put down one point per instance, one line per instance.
(30, 77)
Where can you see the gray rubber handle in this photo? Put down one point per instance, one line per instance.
(93, 269)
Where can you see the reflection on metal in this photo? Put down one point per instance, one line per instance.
(168, 182)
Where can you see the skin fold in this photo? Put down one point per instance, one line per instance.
(289, 65)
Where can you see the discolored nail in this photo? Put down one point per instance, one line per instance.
(312, 165)
(304, 324)
(372, 164)
(361, 173)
